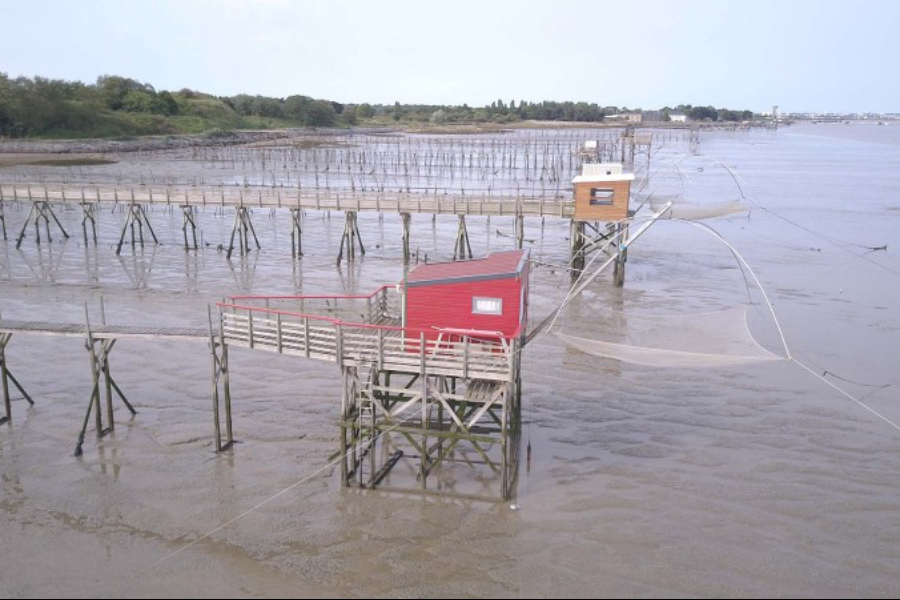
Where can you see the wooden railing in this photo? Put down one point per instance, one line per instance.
(473, 203)
(248, 322)
(382, 307)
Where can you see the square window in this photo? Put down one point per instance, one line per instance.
(487, 306)
(602, 196)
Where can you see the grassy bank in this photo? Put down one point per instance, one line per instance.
(195, 116)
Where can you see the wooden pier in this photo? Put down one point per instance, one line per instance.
(418, 395)
(99, 342)
(439, 392)
(43, 198)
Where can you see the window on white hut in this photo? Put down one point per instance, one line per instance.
(487, 306)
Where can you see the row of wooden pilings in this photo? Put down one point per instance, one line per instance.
(243, 236)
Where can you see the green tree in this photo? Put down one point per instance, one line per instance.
(349, 114)
(297, 107)
(321, 113)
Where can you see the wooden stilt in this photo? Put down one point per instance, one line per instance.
(220, 378)
(406, 218)
(242, 228)
(462, 249)
(135, 219)
(296, 233)
(188, 221)
(41, 210)
(2, 217)
(520, 231)
(576, 240)
(619, 267)
(6, 377)
(350, 237)
(88, 215)
(99, 351)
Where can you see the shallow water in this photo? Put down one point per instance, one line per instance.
(748, 481)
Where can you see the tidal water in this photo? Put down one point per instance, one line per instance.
(755, 480)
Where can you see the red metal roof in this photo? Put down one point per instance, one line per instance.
(494, 266)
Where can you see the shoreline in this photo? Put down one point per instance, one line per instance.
(102, 146)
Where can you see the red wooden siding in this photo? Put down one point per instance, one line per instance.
(449, 304)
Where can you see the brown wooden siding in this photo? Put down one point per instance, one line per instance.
(617, 211)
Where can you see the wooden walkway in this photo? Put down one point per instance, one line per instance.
(522, 205)
(380, 342)
(105, 332)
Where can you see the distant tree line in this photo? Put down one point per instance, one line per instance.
(708, 113)
(34, 106)
(306, 110)
(39, 106)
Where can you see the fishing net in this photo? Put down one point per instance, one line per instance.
(712, 339)
(690, 211)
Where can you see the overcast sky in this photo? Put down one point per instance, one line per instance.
(801, 55)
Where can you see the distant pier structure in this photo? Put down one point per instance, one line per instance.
(137, 230)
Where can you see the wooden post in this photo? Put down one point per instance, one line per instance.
(105, 349)
(405, 218)
(296, 233)
(520, 230)
(462, 248)
(576, 240)
(187, 220)
(622, 258)
(2, 216)
(215, 383)
(4, 377)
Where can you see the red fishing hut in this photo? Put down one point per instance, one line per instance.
(465, 298)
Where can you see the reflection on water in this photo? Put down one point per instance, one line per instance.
(753, 480)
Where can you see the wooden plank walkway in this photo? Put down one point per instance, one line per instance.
(105, 332)
(357, 344)
(305, 199)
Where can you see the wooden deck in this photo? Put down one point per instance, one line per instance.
(361, 331)
(104, 332)
(358, 344)
(305, 199)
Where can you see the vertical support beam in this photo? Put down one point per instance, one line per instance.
(135, 220)
(220, 376)
(350, 237)
(4, 377)
(462, 249)
(576, 239)
(243, 228)
(40, 211)
(2, 217)
(105, 348)
(346, 473)
(188, 221)
(406, 218)
(423, 463)
(88, 213)
(520, 231)
(296, 233)
(504, 442)
(622, 258)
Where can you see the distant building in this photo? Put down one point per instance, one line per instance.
(678, 118)
(626, 117)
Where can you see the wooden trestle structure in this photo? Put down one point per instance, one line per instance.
(413, 397)
(243, 200)
(424, 398)
(134, 201)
